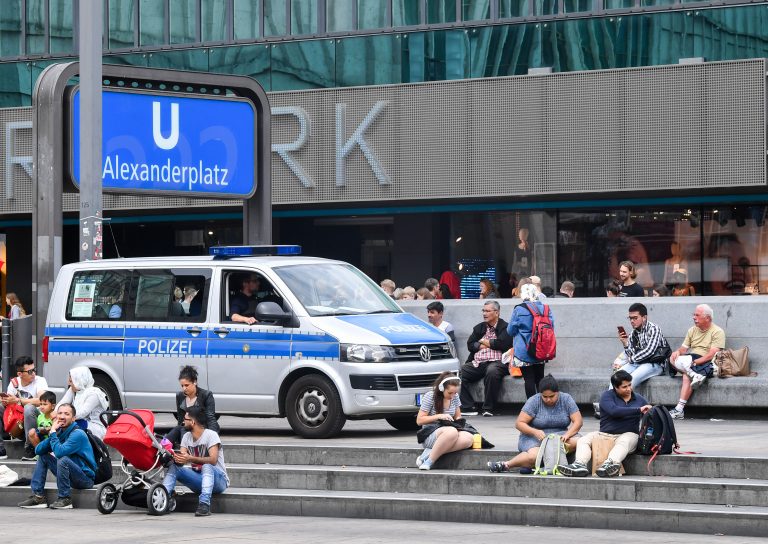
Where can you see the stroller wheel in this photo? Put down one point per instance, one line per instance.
(158, 500)
(107, 501)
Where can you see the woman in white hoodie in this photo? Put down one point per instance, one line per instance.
(89, 401)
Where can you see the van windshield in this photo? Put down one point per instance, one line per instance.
(335, 289)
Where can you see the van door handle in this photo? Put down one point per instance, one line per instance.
(195, 331)
(222, 332)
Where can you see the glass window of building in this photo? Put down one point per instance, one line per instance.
(303, 17)
(16, 85)
(546, 7)
(475, 10)
(121, 24)
(514, 8)
(372, 14)
(60, 26)
(340, 15)
(504, 247)
(275, 23)
(405, 13)
(10, 28)
(246, 23)
(151, 22)
(618, 4)
(735, 245)
(657, 2)
(248, 60)
(578, 6)
(213, 20)
(305, 64)
(35, 27)
(183, 17)
(441, 11)
(662, 244)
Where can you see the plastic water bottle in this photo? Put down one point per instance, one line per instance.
(649, 432)
(477, 442)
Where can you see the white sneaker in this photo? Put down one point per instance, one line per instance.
(424, 455)
(677, 414)
(697, 379)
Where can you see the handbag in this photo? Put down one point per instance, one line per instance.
(13, 420)
(461, 424)
(732, 362)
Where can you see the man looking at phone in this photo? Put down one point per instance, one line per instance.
(201, 449)
(645, 349)
(24, 390)
(68, 454)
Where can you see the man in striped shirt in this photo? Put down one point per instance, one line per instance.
(641, 348)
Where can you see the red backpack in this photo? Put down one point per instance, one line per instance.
(543, 344)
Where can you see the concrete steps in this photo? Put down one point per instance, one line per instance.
(698, 494)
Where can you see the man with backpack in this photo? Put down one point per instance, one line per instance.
(68, 454)
(621, 410)
(532, 328)
(488, 341)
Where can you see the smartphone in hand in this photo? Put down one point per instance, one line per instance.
(621, 330)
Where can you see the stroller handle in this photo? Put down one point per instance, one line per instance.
(116, 413)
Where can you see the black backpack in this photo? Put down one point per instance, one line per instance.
(103, 470)
(657, 433)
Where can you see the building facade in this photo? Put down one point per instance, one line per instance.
(496, 138)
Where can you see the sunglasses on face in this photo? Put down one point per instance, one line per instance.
(31, 371)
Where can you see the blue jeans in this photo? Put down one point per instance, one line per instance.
(68, 475)
(641, 373)
(211, 479)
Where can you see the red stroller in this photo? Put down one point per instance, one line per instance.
(132, 434)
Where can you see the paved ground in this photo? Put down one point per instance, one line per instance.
(734, 437)
(85, 526)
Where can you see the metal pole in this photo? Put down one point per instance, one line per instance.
(5, 360)
(91, 18)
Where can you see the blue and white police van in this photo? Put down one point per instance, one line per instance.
(327, 343)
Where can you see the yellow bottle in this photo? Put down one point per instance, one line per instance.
(477, 442)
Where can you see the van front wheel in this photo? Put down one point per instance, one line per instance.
(313, 407)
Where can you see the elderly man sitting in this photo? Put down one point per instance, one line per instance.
(694, 358)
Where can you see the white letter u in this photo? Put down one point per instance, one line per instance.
(161, 141)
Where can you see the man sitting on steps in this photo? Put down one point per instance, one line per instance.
(694, 358)
(621, 410)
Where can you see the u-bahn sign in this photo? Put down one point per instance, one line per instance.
(165, 143)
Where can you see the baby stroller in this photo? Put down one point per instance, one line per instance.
(132, 434)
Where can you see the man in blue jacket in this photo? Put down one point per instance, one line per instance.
(620, 412)
(68, 454)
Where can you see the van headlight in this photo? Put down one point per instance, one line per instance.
(452, 349)
(366, 353)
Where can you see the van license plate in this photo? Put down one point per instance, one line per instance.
(418, 399)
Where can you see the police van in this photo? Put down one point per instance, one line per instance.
(327, 343)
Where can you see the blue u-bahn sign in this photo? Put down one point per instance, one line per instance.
(162, 143)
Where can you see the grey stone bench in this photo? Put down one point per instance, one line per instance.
(587, 345)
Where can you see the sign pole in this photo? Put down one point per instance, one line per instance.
(91, 19)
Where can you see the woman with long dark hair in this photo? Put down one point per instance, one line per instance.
(192, 395)
(441, 403)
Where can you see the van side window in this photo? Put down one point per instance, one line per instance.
(98, 295)
(178, 295)
(243, 291)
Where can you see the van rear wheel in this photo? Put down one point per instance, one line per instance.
(313, 407)
(105, 384)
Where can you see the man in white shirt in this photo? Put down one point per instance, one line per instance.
(201, 449)
(25, 390)
(435, 317)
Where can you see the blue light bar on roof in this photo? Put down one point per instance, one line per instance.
(253, 251)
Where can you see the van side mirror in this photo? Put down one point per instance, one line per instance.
(271, 311)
